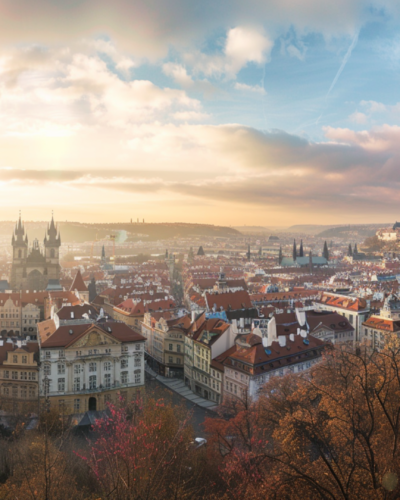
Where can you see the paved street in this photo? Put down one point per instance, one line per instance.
(199, 413)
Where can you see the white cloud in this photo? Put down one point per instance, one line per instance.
(358, 117)
(178, 73)
(58, 92)
(242, 46)
(250, 88)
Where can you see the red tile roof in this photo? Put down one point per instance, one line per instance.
(78, 283)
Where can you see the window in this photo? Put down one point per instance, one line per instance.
(61, 384)
(107, 366)
(14, 375)
(77, 369)
(77, 405)
(124, 377)
(32, 392)
(178, 348)
(170, 359)
(178, 361)
(107, 380)
(15, 392)
(137, 378)
(24, 392)
(170, 347)
(137, 362)
(15, 358)
(137, 347)
(61, 354)
(23, 375)
(79, 353)
(47, 354)
(24, 359)
(351, 318)
(77, 384)
(124, 348)
(124, 363)
(47, 369)
(60, 369)
(92, 382)
(6, 374)
(92, 367)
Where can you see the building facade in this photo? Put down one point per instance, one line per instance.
(19, 376)
(85, 366)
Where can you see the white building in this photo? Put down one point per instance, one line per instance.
(84, 366)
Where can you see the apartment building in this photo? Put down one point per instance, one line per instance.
(355, 309)
(165, 341)
(19, 376)
(86, 365)
(379, 327)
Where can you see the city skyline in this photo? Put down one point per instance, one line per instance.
(274, 114)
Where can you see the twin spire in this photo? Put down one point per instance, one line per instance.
(51, 238)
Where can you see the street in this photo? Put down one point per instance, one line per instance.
(160, 391)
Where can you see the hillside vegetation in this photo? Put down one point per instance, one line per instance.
(81, 232)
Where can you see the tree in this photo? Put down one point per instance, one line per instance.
(331, 433)
(145, 453)
(325, 252)
(350, 251)
(301, 251)
(200, 251)
(294, 251)
(280, 255)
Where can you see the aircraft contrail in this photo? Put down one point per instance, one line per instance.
(344, 62)
(342, 66)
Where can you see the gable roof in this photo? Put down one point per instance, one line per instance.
(78, 283)
(67, 335)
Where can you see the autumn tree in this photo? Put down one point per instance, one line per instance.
(145, 453)
(332, 433)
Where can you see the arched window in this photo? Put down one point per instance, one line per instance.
(52, 253)
(19, 254)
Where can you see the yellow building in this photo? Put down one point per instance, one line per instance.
(19, 376)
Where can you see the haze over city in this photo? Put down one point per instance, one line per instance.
(271, 113)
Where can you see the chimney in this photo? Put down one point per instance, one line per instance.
(291, 337)
(282, 340)
(193, 316)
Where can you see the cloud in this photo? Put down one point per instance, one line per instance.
(243, 45)
(148, 29)
(353, 171)
(358, 117)
(250, 88)
(60, 92)
(178, 73)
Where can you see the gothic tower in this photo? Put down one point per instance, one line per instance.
(52, 243)
(32, 268)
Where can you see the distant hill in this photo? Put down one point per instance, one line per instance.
(307, 228)
(351, 232)
(81, 232)
(253, 229)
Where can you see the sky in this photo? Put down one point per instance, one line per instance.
(264, 112)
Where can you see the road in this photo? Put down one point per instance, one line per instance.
(160, 391)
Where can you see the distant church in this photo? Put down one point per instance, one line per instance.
(35, 268)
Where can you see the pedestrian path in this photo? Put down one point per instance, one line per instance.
(178, 386)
